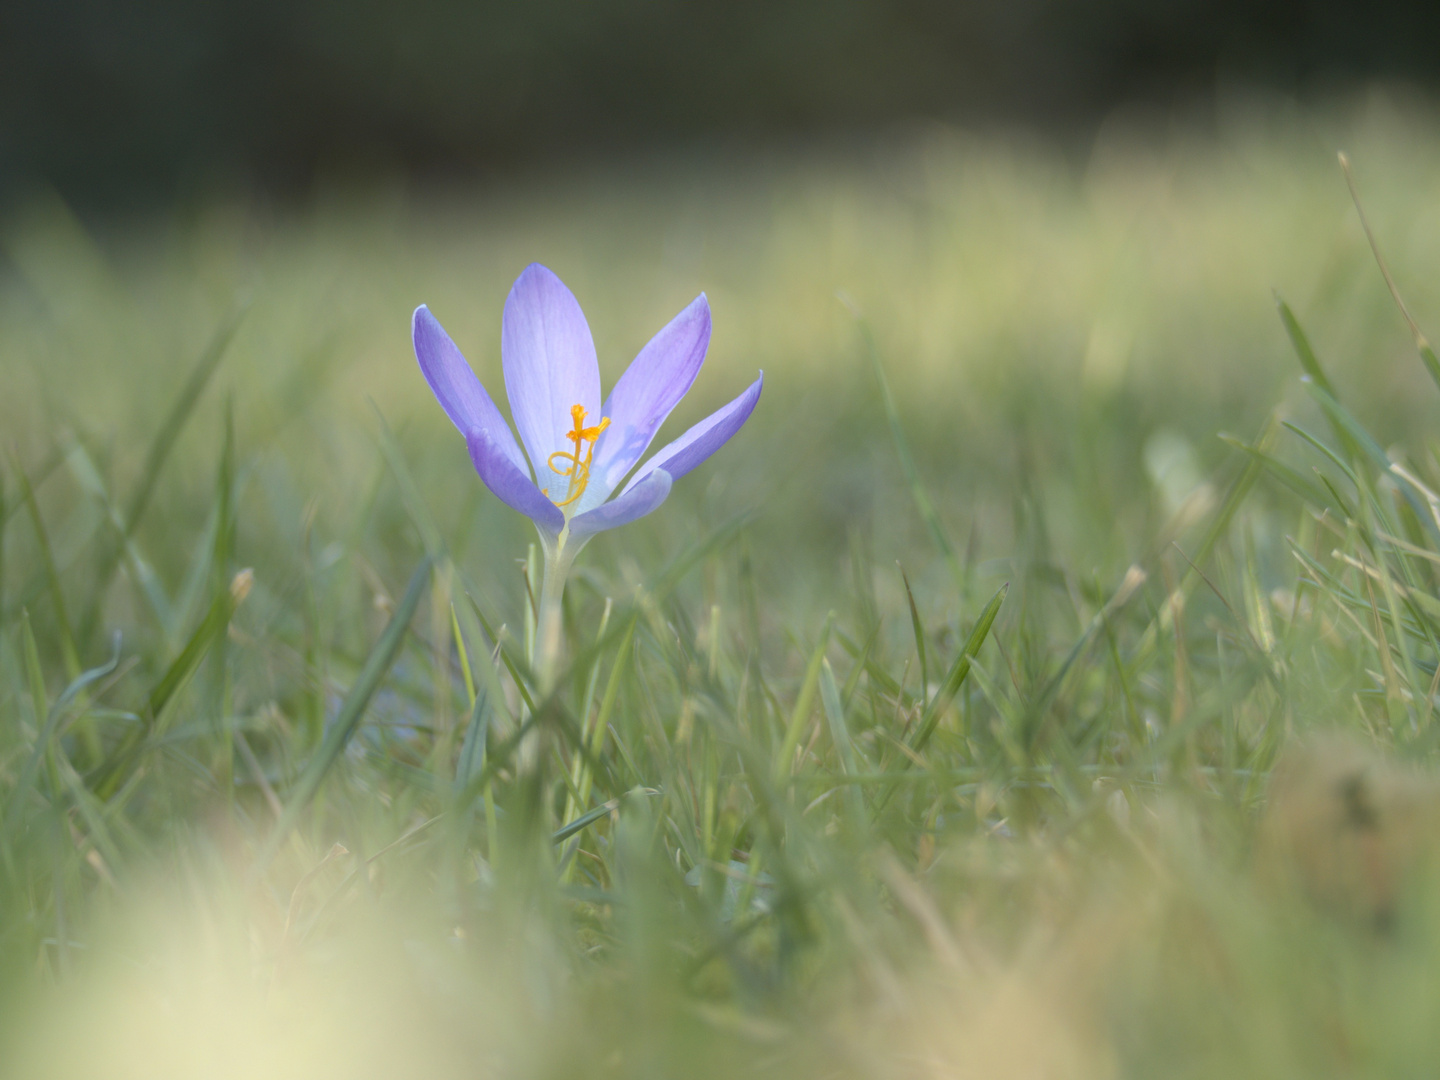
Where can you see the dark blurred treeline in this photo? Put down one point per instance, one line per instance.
(118, 102)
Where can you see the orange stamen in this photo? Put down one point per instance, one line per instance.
(577, 468)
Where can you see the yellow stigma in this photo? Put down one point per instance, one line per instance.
(573, 465)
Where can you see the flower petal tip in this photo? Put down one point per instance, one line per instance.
(535, 271)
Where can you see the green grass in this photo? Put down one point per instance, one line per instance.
(925, 731)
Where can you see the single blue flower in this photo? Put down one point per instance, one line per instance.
(553, 382)
(578, 452)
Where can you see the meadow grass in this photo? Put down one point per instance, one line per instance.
(928, 730)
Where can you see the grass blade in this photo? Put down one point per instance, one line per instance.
(919, 630)
(803, 701)
(52, 576)
(1037, 713)
(607, 702)
(569, 829)
(1427, 354)
(179, 413)
(955, 678)
(161, 446)
(352, 709)
(1301, 344)
(49, 719)
(960, 669)
(178, 674)
(48, 465)
(108, 778)
(472, 749)
(1341, 417)
(1313, 493)
(83, 470)
(840, 735)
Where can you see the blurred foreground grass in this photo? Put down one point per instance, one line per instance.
(278, 795)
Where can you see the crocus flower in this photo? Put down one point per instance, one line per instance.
(577, 452)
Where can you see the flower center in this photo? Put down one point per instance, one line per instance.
(575, 464)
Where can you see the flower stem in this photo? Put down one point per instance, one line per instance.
(549, 620)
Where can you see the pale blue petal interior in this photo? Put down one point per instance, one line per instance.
(651, 387)
(638, 501)
(549, 362)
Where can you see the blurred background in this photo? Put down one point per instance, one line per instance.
(119, 105)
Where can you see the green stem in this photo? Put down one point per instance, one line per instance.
(549, 619)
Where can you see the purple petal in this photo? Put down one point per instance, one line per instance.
(702, 440)
(638, 500)
(549, 362)
(456, 387)
(652, 385)
(510, 484)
